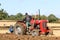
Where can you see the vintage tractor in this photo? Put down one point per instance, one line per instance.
(36, 27)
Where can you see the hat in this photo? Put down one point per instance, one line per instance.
(26, 13)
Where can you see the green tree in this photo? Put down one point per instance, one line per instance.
(43, 17)
(12, 17)
(0, 4)
(19, 16)
(3, 14)
(52, 18)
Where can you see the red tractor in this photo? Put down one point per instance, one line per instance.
(37, 27)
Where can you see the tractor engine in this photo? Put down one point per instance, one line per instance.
(40, 26)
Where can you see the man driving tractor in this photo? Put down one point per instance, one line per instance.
(27, 20)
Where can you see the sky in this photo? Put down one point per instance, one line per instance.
(46, 7)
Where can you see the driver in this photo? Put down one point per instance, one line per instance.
(27, 19)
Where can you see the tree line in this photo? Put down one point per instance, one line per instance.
(19, 16)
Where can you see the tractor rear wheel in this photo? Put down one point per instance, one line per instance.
(20, 30)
